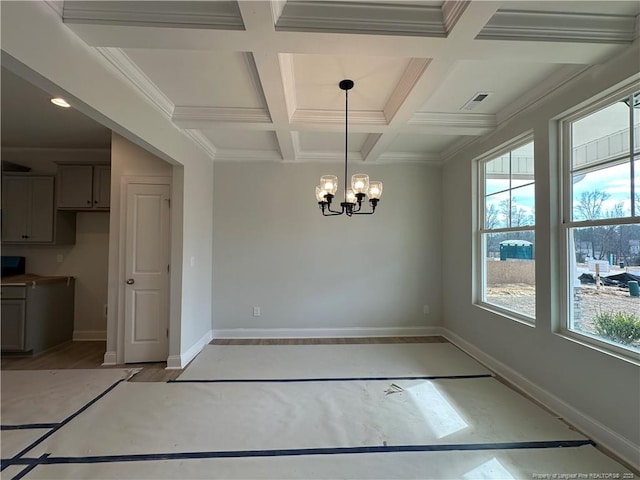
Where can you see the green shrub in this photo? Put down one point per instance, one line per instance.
(621, 327)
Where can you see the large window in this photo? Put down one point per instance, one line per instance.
(601, 222)
(507, 239)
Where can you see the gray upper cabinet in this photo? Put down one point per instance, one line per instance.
(84, 187)
(29, 214)
(27, 209)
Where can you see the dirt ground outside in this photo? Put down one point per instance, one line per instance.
(590, 301)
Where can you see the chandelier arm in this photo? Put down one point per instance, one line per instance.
(335, 211)
(334, 214)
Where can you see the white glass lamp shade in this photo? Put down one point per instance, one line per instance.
(360, 183)
(375, 190)
(320, 193)
(329, 183)
(351, 196)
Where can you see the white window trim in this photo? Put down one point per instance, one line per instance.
(480, 279)
(567, 223)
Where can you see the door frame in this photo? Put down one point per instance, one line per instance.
(125, 181)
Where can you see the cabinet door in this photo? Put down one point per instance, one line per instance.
(75, 183)
(12, 324)
(15, 206)
(41, 209)
(101, 186)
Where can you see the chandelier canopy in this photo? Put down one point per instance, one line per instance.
(360, 184)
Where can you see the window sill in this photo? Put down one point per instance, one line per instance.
(508, 314)
(600, 346)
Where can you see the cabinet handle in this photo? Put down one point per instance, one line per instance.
(95, 201)
(88, 202)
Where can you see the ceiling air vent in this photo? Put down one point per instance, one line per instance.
(475, 100)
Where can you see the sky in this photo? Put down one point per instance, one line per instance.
(613, 180)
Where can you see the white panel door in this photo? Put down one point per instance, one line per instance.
(147, 273)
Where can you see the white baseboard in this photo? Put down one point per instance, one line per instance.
(326, 332)
(601, 434)
(109, 359)
(89, 335)
(178, 362)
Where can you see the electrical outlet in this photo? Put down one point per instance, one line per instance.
(426, 310)
(256, 311)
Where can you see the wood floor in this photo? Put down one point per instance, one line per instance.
(79, 355)
(88, 355)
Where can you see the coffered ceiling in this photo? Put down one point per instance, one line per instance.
(258, 80)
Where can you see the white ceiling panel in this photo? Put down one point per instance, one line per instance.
(317, 78)
(330, 142)
(221, 79)
(242, 139)
(414, 143)
(506, 81)
(259, 79)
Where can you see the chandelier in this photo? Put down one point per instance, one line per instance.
(360, 184)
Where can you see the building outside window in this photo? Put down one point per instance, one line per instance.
(601, 222)
(507, 237)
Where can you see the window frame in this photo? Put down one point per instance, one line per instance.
(567, 223)
(480, 278)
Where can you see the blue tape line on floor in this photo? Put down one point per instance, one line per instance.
(335, 379)
(298, 452)
(61, 424)
(29, 426)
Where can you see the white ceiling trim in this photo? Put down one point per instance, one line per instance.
(237, 155)
(288, 82)
(211, 15)
(552, 26)
(452, 10)
(254, 77)
(203, 142)
(317, 156)
(365, 17)
(453, 120)
(410, 157)
(409, 78)
(56, 5)
(356, 117)
(204, 117)
(121, 61)
(543, 90)
(370, 142)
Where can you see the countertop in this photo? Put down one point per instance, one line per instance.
(29, 279)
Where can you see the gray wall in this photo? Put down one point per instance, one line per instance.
(602, 387)
(272, 248)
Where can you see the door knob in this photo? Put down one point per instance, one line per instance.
(131, 281)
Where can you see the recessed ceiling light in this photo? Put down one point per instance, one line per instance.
(61, 102)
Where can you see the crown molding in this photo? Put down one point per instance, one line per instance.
(359, 117)
(410, 76)
(544, 89)
(172, 14)
(458, 146)
(56, 5)
(453, 120)
(138, 78)
(452, 10)
(365, 17)
(410, 157)
(248, 156)
(559, 27)
(287, 73)
(276, 9)
(318, 156)
(202, 141)
(254, 77)
(369, 143)
(204, 117)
